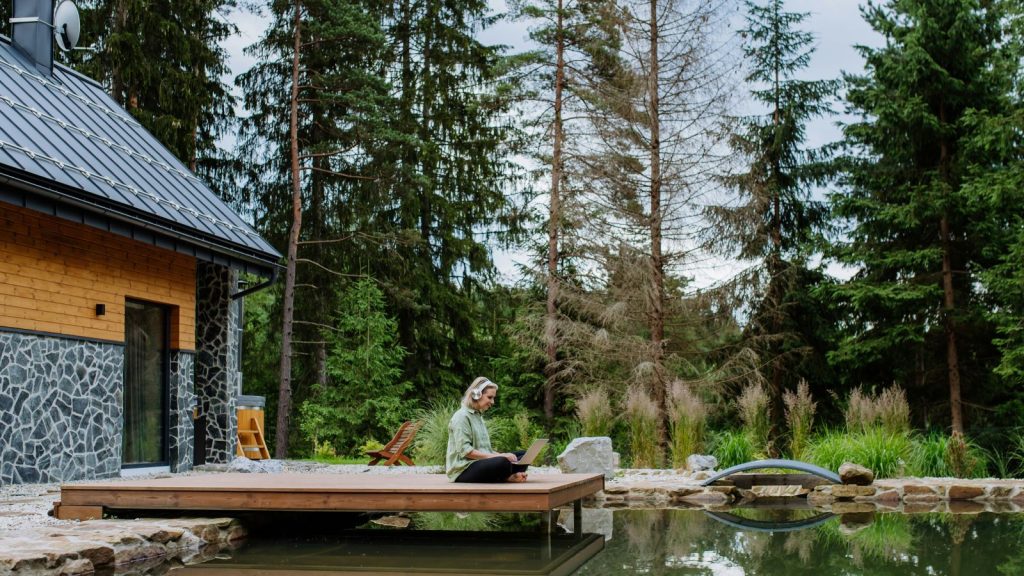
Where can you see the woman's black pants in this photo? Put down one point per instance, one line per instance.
(496, 469)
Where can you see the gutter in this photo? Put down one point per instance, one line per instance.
(274, 272)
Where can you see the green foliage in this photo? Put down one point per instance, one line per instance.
(911, 170)
(431, 443)
(365, 396)
(732, 448)
(885, 453)
(937, 454)
(452, 521)
(370, 445)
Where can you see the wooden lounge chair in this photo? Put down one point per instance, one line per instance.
(392, 453)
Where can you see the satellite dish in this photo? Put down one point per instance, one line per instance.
(66, 25)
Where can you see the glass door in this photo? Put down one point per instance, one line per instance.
(145, 385)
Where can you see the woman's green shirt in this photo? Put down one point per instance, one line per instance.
(466, 432)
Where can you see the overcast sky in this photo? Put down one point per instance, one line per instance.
(837, 25)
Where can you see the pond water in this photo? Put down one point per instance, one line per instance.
(740, 542)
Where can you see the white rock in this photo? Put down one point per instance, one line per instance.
(697, 462)
(589, 454)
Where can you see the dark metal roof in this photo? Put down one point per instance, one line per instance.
(64, 138)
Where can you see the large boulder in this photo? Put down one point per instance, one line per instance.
(855, 474)
(696, 462)
(589, 455)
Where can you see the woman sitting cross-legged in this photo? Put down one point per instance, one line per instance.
(470, 457)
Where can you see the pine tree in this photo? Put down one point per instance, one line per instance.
(575, 37)
(776, 219)
(916, 238)
(320, 116)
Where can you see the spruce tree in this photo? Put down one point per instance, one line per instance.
(916, 232)
(776, 218)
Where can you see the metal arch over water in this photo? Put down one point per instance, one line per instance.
(749, 524)
(775, 463)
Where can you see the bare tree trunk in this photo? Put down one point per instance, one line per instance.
(554, 221)
(949, 302)
(284, 398)
(952, 355)
(657, 295)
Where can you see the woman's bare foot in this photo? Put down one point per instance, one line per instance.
(517, 477)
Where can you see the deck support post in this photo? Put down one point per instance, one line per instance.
(577, 518)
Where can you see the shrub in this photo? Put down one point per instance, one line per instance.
(929, 456)
(687, 415)
(965, 459)
(642, 421)
(885, 453)
(732, 448)
(595, 413)
(753, 408)
(431, 442)
(800, 408)
(830, 449)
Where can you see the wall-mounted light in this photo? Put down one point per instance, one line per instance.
(101, 309)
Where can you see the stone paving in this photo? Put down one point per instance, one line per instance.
(32, 542)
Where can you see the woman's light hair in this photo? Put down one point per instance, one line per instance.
(483, 383)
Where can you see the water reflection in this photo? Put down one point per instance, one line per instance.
(693, 542)
(367, 551)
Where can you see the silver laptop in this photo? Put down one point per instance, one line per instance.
(532, 451)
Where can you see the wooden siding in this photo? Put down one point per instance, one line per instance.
(54, 272)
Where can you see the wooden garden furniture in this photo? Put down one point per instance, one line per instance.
(392, 453)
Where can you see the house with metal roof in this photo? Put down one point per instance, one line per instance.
(119, 300)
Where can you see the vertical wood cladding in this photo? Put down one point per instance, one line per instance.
(54, 272)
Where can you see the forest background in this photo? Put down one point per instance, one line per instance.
(390, 153)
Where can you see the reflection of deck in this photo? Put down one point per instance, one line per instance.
(324, 492)
(388, 552)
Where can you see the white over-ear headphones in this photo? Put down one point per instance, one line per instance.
(478, 392)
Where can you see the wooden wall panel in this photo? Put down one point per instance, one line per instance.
(54, 272)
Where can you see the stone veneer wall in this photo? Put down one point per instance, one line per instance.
(218, 380)
(183, 401)
(60, 408)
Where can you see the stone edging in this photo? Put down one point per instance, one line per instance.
(84, 548)
(906, 495)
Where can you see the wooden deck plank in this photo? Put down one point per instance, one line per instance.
(332, 492)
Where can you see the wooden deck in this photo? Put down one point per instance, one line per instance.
(324, 493)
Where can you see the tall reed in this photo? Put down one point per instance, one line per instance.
(893, 410)
(687, 416)
(888, 410)
(641, 415)
(800, 408)
(753, 408)
(860, 411)
(595, 413)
